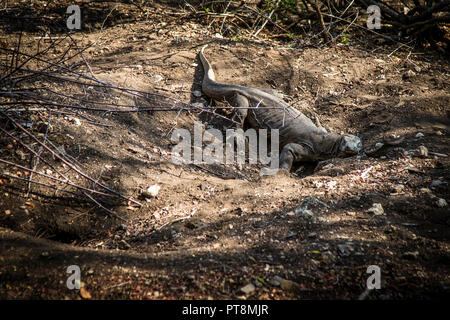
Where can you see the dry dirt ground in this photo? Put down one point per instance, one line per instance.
(223, 232)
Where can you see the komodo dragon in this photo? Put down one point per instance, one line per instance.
(299, 138)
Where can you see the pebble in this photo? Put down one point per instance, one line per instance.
(289, 285)
(76, 121)
(197, 93)
(376, 209)
(441, 203)
(276, 281)
(151, 191)
(312, 235)
(422, 151)
(425, 190)
(291, 234)
(249, 288)
(156, 215)
(305, 212)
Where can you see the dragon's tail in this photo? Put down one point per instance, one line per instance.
(209, 72)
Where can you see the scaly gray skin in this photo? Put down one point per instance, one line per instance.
(300, 139)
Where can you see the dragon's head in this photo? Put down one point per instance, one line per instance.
(350, 145)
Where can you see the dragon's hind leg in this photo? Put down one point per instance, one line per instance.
(291, 153)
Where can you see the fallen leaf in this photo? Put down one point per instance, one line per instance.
(85, 294)
(29, 203)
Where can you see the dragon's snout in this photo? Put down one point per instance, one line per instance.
(350, 145)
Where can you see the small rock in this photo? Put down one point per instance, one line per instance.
(436, 183)
(308, 202)
(257, 284)
(289, 285)
(276, 281)
(197, 93)
(422, 151)
(76, 121)
(441, 203)
(419, 135)
(312, 235)
(305, 212)
(291, 234)
(151, 191)
(156, 215)
(376, 209)
(249, 288)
